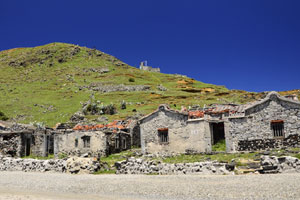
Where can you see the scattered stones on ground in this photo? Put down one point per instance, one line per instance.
(104, 88)
(161, 88)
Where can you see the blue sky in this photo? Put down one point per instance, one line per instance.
(252, 45)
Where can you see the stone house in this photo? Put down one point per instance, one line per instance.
(23, 140)
(77, 143)
(272, 122)
(94, 140)
(166, 131)
(18, 140)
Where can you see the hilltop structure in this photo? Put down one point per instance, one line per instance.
(145, 67)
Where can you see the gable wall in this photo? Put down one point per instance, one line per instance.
(183, 136)
(257, 124)
(65, 143)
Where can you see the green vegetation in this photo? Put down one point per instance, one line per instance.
(62, 155)
(113, 158)
(297, 155)
(47, 84)
(50, 156)
(131, 80)
(3, 117)
(221, 157)
(105, 172)
(219, 146)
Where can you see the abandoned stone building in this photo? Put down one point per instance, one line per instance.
(98, 140)
(167, 130)
(272, 122)
(18, 140)
(23, 140)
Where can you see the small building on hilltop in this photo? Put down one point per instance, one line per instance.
(145, 67)
(272, 122)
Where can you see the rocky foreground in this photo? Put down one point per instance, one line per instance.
(21, 185)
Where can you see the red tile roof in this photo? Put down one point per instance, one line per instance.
(196, 114)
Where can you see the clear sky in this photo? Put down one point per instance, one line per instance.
(252, 45)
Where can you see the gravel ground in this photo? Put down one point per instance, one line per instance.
(21, 186)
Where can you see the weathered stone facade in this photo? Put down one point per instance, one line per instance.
(254, 131)
(272, 122)
(182, 135)
(117, 142)
(77, 143)
(22, 140)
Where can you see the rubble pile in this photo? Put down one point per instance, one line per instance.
(284, 164)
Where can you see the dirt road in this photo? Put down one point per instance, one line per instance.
(36, 186)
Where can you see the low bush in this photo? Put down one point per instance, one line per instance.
(131, 80)
(3, 116)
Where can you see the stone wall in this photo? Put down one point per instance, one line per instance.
(263, 144)
(135, 134)
(22, 143)
(42, 143)
(10, 144)
(183, 135)
(140, 166)
(256, 125)
(150, 69)
(72, 165)
(162, 119)
(122, 139)
(65, 143)
(197, 136)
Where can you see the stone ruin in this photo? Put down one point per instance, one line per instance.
(143, 66)
(270, 123)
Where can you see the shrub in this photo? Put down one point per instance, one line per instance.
(3, 117)
(62, 155)
(131, 80)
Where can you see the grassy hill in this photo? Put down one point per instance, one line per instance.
(47, 83)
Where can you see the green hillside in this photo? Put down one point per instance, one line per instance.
(47, 83)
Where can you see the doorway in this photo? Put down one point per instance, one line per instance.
(27, 146)
(218, 136)
(49, 146)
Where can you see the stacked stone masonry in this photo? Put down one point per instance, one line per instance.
(73, 165)
(140, 166)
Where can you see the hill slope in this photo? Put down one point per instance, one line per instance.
(47, 83)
